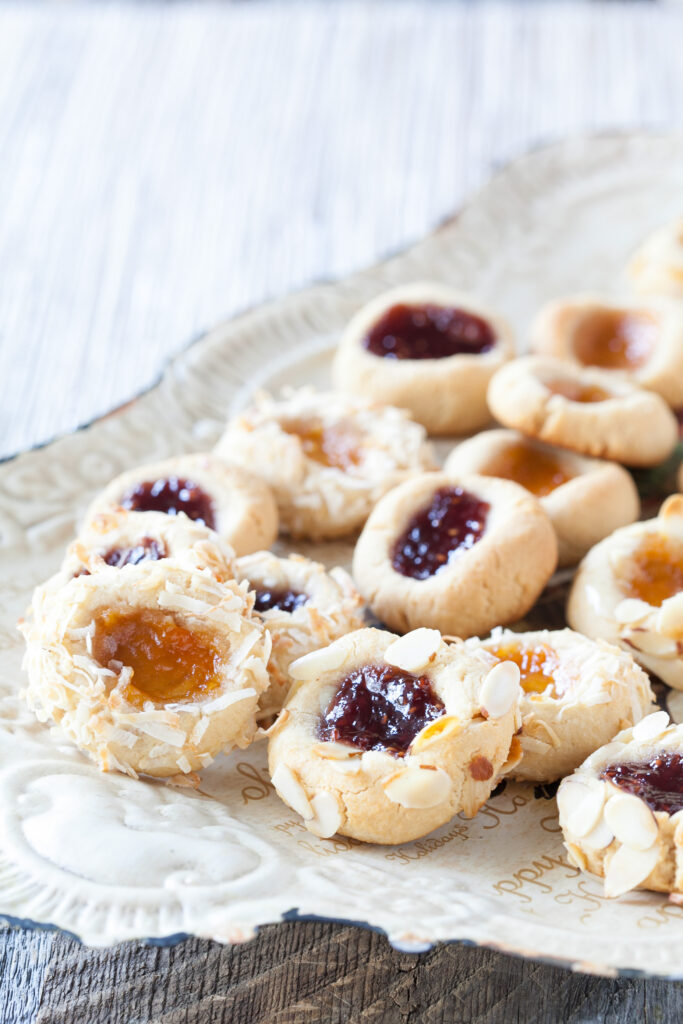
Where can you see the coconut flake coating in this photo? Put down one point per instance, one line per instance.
(452, 765)
(237, 504)
(613, 833)
(328, 457)
(92, 701)
(331, 608)
(593, 690)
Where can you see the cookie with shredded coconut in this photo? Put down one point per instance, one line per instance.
(303, 607)
(385, 738)
(629, 590)
(621, 812)
(576, 695)
(233, 502)
(154, 670)
(327, 457)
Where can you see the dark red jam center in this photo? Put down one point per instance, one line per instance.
(379, 707)
(171, 495)
(452, 523)
(428, 332)
(659, 782)
(146, 550)
(282, 599)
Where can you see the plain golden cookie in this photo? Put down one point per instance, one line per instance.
(586, 499)
(576, 695)
(386, 738)
(656, 268)
(459, 553)
(427, 348)
(587, 410)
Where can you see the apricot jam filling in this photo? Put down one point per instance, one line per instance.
(379, 707)
(538, 667)
(170, 663)
(615, 340)
(659, 781)
(534, 469)
(146, 550)
(575, 391)
(171, 495)
(654, 572)
(282, 598)
(451, 523)
(428, 332)
(335, 446)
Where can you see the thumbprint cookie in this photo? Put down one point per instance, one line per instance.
(585, 409)
(327, 457)
(385, 738)
(457, 553)
(642, 342)
(620, 811)
(303, 607)
(576, 695)
(427, 348)
(234, 503)
(629, 590)
(656, 268)
(586, 499)
(154, 670)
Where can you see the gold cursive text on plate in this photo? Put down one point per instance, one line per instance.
(528, 878)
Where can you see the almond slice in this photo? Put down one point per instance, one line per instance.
(628, 868)
(500, 691)
(439, 729)
(599, 837)
(650, 726)
(413, 651)
(580, 803)
(314, 664)
(670, 616)
(291, 791)
(327, 818)
(631, 610)
(651, 643)
(631, 820)
(334, 751)
(418, 787)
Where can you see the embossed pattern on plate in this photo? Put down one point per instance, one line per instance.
(107, 858)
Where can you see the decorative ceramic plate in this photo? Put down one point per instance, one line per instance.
(109, 858)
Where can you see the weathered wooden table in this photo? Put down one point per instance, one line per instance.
(164, 166)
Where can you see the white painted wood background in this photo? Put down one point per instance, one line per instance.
(164, 166)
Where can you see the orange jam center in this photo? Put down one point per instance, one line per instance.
(170, 663)
(537, 667)
(330, 446)
(539, 472)
(615, 340)
(575, 391)
(655, 570)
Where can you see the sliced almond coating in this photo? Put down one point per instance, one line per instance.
(580, 802)
(650, 726)
(651, 643)
(312, 665)
(628, 868)
(413, 651)
(500, 691)
(631, 820)
(670, 616)
(599, 837)
(291, 791)
(439, 729)
(631, 610)
(327, 818)
(334, 751)
(418, 787)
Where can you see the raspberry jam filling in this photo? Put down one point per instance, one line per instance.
(452, 523)
(654, 572)
(534, 469)
(282, 598)
(537, 665)
(575, 391)
(171, 495)
(170, 663)
(379, 707)
(146, 550)
(335, 446)
(659, 781)
(428, 332)
(614, 340)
